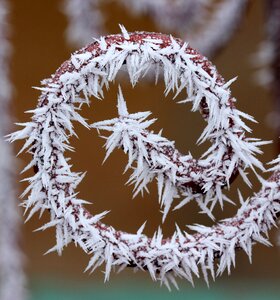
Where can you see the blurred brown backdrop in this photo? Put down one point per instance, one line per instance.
(39, 47)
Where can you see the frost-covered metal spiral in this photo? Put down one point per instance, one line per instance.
(53, 187)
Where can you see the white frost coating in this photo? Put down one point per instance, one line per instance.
(53, 186)
(12, 278)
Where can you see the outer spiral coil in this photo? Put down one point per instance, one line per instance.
(53, 186)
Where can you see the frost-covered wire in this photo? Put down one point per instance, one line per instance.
(12, 278)
(53, 187)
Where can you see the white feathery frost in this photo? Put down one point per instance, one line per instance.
(53, 187)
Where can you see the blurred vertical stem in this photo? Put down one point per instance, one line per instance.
(12, 278)
(273, 36)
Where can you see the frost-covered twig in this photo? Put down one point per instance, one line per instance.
(53, 186)
(12, 279)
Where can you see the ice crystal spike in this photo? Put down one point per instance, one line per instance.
(122, 108)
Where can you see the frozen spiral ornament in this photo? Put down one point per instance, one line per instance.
(53, 187)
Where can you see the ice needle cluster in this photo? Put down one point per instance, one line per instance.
(156, 157)
(53, 187)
